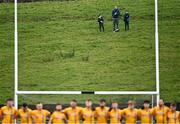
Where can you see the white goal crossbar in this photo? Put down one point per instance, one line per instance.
(152, 93)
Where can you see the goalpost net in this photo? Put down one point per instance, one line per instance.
(154, 95)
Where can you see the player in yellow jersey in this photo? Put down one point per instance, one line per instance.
(145, 114)
(88, 113)
(25, 114)
(9, 112)
(73, 113)
(40, 115)
(130, 113)
(160, 112)
(173, 116)
(114, 114)
(58, 117)
(101, 113)
(0, 114)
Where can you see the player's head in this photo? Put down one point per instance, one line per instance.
(39, 106)
(115, 7)
(73, 103)
(10, 102)
(24, 106)
(146, 104)
(102, 103)
(114, 105)
(131, 104)
(173, 106)
(88, 103)
(58, 107)
(161, 102)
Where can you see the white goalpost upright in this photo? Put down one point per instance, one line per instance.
(18, 92)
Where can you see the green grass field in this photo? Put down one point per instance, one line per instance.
(60, 48)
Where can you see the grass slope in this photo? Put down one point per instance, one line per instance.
(60, 48)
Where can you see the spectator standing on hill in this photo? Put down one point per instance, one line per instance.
(101, 23)
(115, 17)
(126, 20)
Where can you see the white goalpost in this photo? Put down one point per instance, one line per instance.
(17, 92)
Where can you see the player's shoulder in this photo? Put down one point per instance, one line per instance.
(166, 107)
(20, 110)
(155, 108)
(80, 108)
(3, 108)
(30, 110)
(67, 109)
(125, 109)
(34, 111)
(45, 110)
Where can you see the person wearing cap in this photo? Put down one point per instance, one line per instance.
(9, 113)
(58, 117)
(173, 116)
(126, 20)
(145, 114)
(101, 23)
(114, 114)
(130, 113)
(115, 17)
(25, 114)
(101, 112)
(40, 115)
(160, 112)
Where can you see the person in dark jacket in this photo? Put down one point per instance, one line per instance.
(126, 21)
(115, 17)
(101, 23)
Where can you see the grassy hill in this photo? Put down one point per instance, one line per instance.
(60, 48)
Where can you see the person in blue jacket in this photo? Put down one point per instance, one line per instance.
(126, 20)
(115, 17)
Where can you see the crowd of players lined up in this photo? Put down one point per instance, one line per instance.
(74, 114)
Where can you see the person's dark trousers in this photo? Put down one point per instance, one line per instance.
(115, 23)
(126, 25)
(101, 27)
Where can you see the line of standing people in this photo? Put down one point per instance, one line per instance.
(100, 115)
(116, 18)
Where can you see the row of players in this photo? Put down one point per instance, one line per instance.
(100, 115)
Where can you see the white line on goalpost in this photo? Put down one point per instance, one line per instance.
(17, 92)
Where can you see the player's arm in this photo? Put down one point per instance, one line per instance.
(154, 111)
(33, 116)
(0, 114)
(51, 119)
(16, 113)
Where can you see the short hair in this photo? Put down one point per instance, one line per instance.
(173, 104)
(24, 105)
(131, 102)
(58, 104)
(74, 101)
(10, 99)
(102, 100)
(147, 101)
(88, 100)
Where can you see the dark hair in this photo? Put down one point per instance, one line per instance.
(74, 101)
(102, 100)
(9, 100)
(88, 100)
(24, 105)
(58, 104)
(173, 104)
(147, 101)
